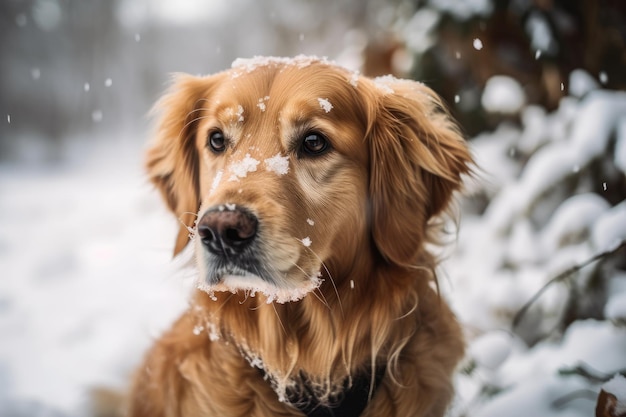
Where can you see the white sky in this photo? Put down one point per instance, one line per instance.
(134, 13)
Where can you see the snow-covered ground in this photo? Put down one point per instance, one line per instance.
(86, 278)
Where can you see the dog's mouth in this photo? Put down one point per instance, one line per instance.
(232, 257)
(274, 287)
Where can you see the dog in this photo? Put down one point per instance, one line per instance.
(310, 196)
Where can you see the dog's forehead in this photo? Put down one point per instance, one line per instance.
(284, 99)
(276, 83)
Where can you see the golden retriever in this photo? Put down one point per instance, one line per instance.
(311, 194)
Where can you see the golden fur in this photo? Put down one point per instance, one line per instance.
(367, 207)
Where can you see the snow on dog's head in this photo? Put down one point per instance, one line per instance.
(372, 166)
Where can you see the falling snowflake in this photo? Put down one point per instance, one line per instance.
(604, 78)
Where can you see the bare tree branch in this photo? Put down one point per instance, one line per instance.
(561, 277)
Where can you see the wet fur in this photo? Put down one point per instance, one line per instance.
(396, 160)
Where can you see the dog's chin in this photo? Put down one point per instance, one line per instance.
(252, 285)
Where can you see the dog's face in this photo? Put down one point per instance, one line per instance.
(288, 166)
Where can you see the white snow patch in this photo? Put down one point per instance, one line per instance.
(491, 349)
(253, 285)
(241, 168)
(419, 30)
(216, 181)
(463, 10)
(261, 104)
(617, 387)
(620, 145)
(615, 308)
(522, 248)
(571, 221)
(306, 241)
(299, 61)
(384, 83)
(310, 222)
(610, 229)
(535, 398)
(354, 79)
(581, 83)
(213, 332)
(239, 113)
(503, 94)
(325, 104)
(591, 131)
(535, 133)
(58, 340)
(278, 164)
(540, 34)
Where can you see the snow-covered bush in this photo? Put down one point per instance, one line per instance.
(538, 276)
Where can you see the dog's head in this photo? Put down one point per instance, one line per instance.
(281, 167)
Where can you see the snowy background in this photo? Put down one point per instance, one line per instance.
(86, 278)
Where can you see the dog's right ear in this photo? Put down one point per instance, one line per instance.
(172, 160)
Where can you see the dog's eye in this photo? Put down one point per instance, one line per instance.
(314, 144)
(217, 141)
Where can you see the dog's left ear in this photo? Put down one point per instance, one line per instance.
(418, 157)
(172, 158)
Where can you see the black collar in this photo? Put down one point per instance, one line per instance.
(350, 403)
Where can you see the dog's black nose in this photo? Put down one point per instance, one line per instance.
(226, 230)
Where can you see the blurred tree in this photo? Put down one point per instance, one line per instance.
(537, 42)
(50, 51)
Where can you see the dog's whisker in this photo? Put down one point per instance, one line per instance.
(246, 294)
(196, 110)
(280, 321)
(330, 277)
(190, 229)
(190, 122)
(202, 99)
(324, 301)
(190, 212)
